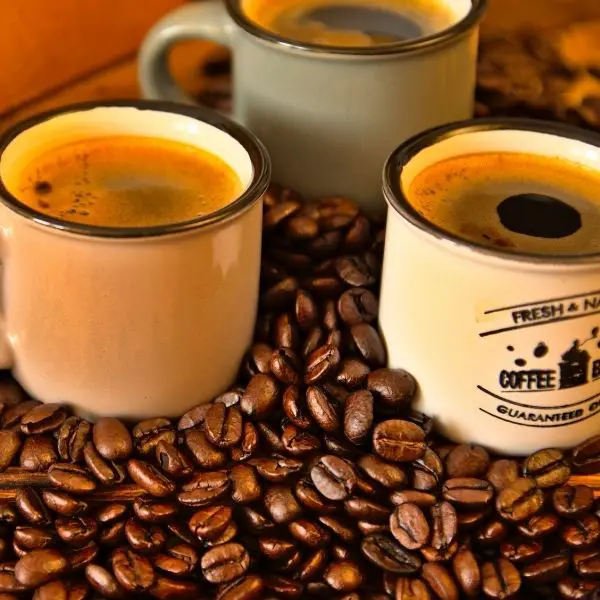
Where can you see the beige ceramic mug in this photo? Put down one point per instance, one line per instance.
(328, 116)
(131, 322)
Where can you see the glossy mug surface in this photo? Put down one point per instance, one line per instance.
(132, 321)
(330, 114)
(497, 318)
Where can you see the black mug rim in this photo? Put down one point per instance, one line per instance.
(468, 22)
(401, 157)
(256, 151)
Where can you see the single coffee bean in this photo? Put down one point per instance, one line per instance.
(334, 477)
(113, 533)
(352, 373)
(358, 305)
(133, 571)
(147, 434)
(323, 408)
(111, 438)
(384, 473)
(37, 453)
(577, 589)
(279, 212)
(492, 532)
(40, 566)
(277, 469)
(260, 397)
(280, 295)
(309, 497)
(362, 508)
(193, 418)
(146, 539)
(387, 554)
(409, 526)
(104, 582)
(150, 510)
(572, 501)
(294, 406)
(324, 287)
(245, 487)
(586, 456)
(342, 528)
(367, 528)
(468, 492)
(467, 460)
(399, 441)
(411, 589)
(225, 563)
(72, 438)
(467, 572)
(428, 471)
(440, 580)
(298, 442)
(539, 526)
(61, 590)
(249, 587)
(32, 538)
(166, 588)
(257, 359)
(546, 570)
(10, 444)
(80, 557)
(106, 472)
(444, 525)
(71, 478)
(502, 473)
(285, 365)
(548, 468)
(281, 504)
(109, 513)
(358, 235)
(205, 454)
(321, 364)
(314, 338)
(369, 344)
(15, 412)
(248, 444)
(421, 499)
(76, 531)
(210, 522)
(521, 551)
(306, 310)
(223, 425)
(285, 332)
(354, 271)
(309, 533)
(392, 388)
(587, 563)
(178, 560)
(581, 533)
(172, 460)
(520, 500)
(343, 576)
(276, 548)
(358, 416)
(500, 579)
(285, 588)
(43, 417)
(31, 507)
(204, 488)
(150, 478)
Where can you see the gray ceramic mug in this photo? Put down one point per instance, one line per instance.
(329, 116)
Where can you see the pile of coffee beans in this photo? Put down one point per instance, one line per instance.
(312, 478)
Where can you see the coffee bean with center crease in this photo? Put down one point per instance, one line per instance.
(285, 366)
(204, 488)
(539, 526)
(225, 563)
(409, 526)
(354, 271)
(76, 531)
(306, 310)
(323, 408)
(40, 566)
(298, 442)
(358, 416)
(444, 526)
(277, 469)
(411, 589)
(111, 438)
(260, 397)
(44, 417)
(37, 453)
(143, 538)
(309, 497)
(133, 571)
(546, 570)
(502, 473)
(31, 507)
(500, 579)
(172, 460)
(294, 406)
(10, 443)
(334, 477)
(440, 580)
(358, 305)
(245, 487)
(586, 456)
(548, 468)
(581, 533)
(204, 453)
(572, 501)
(72, 438)
(285, 332)
(321, 364)
(387, 554)
(178, 560)
(147, 434)
(467, 572)
(399, 441)
(428, 471)
(468, 492)
(393, 389)
(210, 522)
(248, 444)
(223, 425)
(520, 500)
(368, 344)
(105, 471)
(150, 478)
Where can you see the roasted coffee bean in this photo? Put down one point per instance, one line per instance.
(279, 212)
(223, 425)
(72, 438)
(354, 271)
(42, 418)
(271, 437)
(343, 529)
(31, 507)
(260, 397)
(500, 579)
(285, 366)
(546, 570)
(587, 563)
(314, 338)
(204, 488)
(309, 497)
(247, 445)
(277, 469)
(358, 416)
(147, 434)
(165, 588)
(440, 580)
(106, 472)
(294, 406)
(368, 344)
(492, 532)
(392, 388)
(399, 441)
(521, 551)
(467, 461)
(409, 526)
(249, 587)
(61, 590)
(411, 589)
(384, 473)
(428, 471)
(244, 483)
(76, 531)
(111, 438)
(281, 504)
(150, 478)
(387, 554)
(362, 508)
(467, 572)
(367, 528)
(548, 468)
(37, 453)
(358, 235)
(104, 582)
(15, 412)
(312, 567)
(172, 460)
(520, 500)
(276, 548)
(133, 571)
(306, 310)
(210, 522)
(421, 499)
(468, 492)
(572, 501)
(324, 287)
(358, 305)
(577, 589)
(8, 582)
(502, 473)
(145, 539)
(444, 526)
(80, 557)
(40, 566)
(581, 533)
(231, 397)
(324, 408)
(113, 533)
(150, 510)
(586, 456)
(71, 478)
(288, 589)
(352, 373)
(539, 526)
(340, 447)
(334, 477)
(285, 332)
(203, 452)
(472, 518)
(109, 513)
(298, 442)
(10, 443)
(309, 533)
(343, 576)
(193, 418)
(225, 563)
(280, 295)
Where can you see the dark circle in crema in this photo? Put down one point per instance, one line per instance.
(538, 215)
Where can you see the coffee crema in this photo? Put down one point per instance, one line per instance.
(513, 202)
(127, 181)
(352, 23)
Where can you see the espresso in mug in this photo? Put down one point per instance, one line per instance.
(350, 22)
(511, 201)
(127, 181)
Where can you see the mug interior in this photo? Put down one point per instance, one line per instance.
(238, 149)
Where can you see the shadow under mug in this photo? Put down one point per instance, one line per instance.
(329, 116)
(505, 345)
(131, 322)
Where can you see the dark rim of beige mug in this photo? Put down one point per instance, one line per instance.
(471, 20)
(258, 186)
(397, 200)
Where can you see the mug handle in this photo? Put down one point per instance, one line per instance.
(206, 20)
